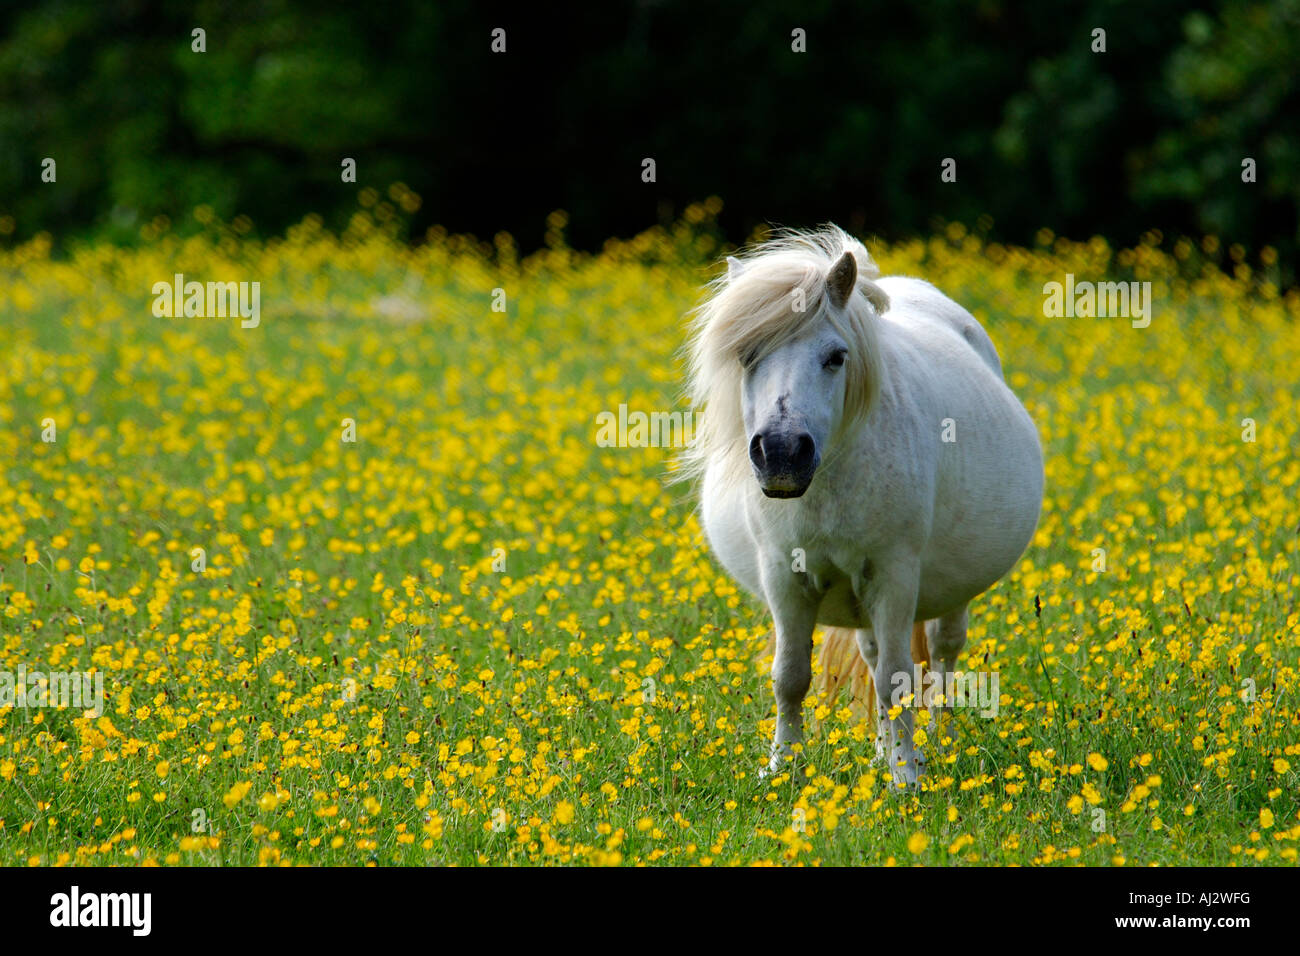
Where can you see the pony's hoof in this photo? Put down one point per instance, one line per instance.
(907, 772)
(782, 759)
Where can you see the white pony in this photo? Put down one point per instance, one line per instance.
(863, 463)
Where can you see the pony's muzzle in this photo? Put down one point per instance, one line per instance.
(784, 461)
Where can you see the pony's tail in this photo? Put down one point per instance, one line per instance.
(843, 669)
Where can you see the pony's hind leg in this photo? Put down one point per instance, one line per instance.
(946, 639)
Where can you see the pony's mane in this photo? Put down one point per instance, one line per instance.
(755, 314)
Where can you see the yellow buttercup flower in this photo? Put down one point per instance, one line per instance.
(236, 794)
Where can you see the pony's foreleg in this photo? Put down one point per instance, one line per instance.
(870, 653)
(892, 611)
(794, 611)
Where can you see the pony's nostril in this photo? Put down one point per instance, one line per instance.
(805, 449)
(756, 452)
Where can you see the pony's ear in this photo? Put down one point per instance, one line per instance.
(877, 296)
(841, 280)
(734, 268)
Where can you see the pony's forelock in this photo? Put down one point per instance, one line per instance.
(753, 314)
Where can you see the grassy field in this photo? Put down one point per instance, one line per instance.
(473, 635)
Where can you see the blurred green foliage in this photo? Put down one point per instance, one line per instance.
(1045, 131)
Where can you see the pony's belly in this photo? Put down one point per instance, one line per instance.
(979, 540)
(960, 566)
(937, 598)
(840, 608)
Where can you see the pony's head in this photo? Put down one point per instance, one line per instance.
(784, 357)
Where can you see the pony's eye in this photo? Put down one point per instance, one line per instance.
(835, 359)
(747, 359)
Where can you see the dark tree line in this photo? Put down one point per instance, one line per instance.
(1045, 129)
